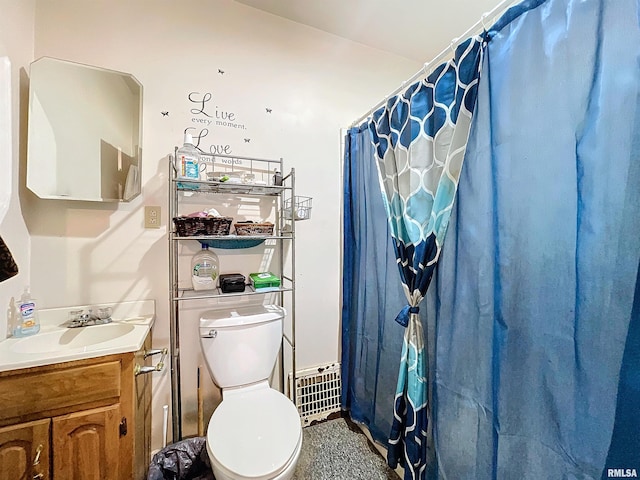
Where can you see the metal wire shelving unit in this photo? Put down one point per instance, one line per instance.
(284, 231)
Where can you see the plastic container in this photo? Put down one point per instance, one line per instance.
(205, 269)
(264, 281)
(187, 161)
(232, 282)
(27, 322)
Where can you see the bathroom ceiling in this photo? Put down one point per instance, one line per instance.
(414, 29)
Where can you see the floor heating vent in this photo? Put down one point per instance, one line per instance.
(317, 392)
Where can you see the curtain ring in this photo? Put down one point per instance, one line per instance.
(453, 42)
(482, 18)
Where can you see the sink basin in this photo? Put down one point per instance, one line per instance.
(71, 338)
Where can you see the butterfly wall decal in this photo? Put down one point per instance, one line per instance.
(221, 72)
(165, 114)
(268, 110)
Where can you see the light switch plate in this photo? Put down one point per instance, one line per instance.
(151, 216)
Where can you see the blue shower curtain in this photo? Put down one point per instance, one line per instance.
(371, 293)
(536, 297)
(532, 317)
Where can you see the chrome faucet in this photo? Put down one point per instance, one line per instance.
(82, 319)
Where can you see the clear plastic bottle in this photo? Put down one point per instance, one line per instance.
(205, 269)
(12, 316)
(187, 161)
(27, 322)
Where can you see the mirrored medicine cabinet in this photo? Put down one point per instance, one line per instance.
(84, 132)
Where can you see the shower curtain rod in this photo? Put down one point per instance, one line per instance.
(425, 70)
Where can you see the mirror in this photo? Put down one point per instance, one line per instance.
(84, 132)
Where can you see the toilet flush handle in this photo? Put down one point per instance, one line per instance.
(210, 334)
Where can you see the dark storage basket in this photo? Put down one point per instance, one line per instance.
(192, 226)
(245, 229)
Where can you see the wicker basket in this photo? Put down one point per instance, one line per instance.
(246, 229)
(193, 226)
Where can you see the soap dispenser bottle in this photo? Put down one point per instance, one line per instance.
(187, 161)
(204, 269)
(27, 322)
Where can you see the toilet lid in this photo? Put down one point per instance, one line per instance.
(255, 434)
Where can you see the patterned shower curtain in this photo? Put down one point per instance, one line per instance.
(420, 138)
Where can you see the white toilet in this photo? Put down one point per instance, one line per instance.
(255, 433)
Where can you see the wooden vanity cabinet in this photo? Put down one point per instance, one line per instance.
(24, 451)
(85, 420)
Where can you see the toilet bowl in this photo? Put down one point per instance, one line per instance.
(255, 433)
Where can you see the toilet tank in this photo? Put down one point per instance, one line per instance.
(241, 345)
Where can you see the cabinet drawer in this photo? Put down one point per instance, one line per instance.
(53, 392)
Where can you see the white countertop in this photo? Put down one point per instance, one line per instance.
(55, 343)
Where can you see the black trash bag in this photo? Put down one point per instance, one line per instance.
(184, 460)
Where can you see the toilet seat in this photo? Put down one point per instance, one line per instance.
(254, 433)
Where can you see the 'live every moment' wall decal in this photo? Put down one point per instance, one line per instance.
(218, 129)
(206, 115)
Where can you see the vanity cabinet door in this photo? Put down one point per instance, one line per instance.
(86, 444)
(24, 451)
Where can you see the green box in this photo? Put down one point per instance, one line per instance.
(264, 280)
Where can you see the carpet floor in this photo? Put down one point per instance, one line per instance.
(336, 450)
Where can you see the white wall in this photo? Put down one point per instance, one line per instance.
(312, 82)
(16, 42)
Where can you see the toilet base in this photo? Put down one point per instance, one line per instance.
(286, 474)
